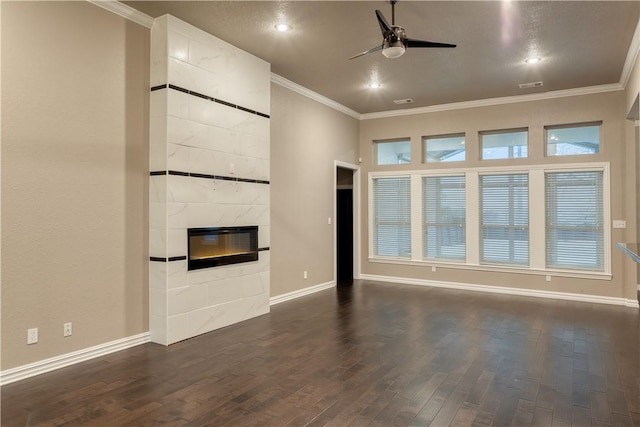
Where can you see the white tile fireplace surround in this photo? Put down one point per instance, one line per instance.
(209, 162)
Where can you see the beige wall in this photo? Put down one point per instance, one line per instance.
(608, 107)
(74, 177)
(306, 138)
(633, 112)
(633, 85)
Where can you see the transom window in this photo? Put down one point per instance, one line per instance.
(396, 152)
(508, 144)
(444, 148)
(571, 140)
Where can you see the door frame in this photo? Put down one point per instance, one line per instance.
(356, 218)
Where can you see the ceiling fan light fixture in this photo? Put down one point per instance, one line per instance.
(533, 60)
(282, 28)
(393, 50)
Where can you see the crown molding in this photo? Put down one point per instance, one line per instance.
(314, 95)
(125, 11)
(632, 56)
(496, 101)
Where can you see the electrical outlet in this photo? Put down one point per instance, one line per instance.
(329, 220)
(619, 223)
(433, 268)
(67, 329)
(32, 336)
(304, 274)
(547, 278)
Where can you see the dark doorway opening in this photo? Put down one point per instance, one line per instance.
(344, 226)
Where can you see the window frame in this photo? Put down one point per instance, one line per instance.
(371, 215)
(376, 143)
(548, 128)
(426, 138)
(600, 227)
(537, 240)
(510, 228)
(425, 224)
(481, 135)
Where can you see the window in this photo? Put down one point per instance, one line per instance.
(446, 148)
(504, 219)
(504, 144)
(531, 219)
(443, 216)
(391, 209)
(393, 152)
(573, 139)
(575, 220)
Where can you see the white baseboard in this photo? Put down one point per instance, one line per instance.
(300, 293)
(505, 290)
(9, 376)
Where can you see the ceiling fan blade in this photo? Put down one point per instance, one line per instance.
(373, 49)
(384, 25)
(425, 43)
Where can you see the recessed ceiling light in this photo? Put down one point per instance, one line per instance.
(283, 28)
(374, 85)
(533, 60)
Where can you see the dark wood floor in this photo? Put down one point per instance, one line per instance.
(372, 354)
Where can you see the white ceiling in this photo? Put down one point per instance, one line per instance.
(582, 43)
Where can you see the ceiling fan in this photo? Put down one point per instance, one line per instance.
(394, 39)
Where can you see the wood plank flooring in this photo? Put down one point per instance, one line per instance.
(371, 354)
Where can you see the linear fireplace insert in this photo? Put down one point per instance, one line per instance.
(215, 246)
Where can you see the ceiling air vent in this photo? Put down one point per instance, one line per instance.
(528, 85)
(403, 101)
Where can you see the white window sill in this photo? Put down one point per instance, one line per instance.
(578, 274)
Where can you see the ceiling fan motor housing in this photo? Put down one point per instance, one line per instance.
(394, 44)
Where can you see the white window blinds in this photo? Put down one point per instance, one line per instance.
(443, 217)
(504, 219)
(575, 220)
(391, 208)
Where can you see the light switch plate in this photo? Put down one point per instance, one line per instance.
(619, 223)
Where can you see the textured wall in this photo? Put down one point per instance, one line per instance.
(306, 138)
(74, 177)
